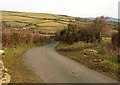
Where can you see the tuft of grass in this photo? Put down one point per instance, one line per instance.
(75, 46)
(17, 68)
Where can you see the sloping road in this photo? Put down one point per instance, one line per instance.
(55, 68)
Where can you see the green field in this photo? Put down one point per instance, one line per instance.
(40, 21)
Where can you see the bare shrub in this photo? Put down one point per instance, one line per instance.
(13, 39)
(115, 39)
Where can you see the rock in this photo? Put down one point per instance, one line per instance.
(1, 65)
(2, 52)
(5, 70)
(90, 52)
(4, 76)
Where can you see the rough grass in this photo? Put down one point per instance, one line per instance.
(51, 23)
(109, 65)
(15, 23)
(15, 18)
(50, 29)
(17, 68)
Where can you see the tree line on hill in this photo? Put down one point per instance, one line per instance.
(75, 32)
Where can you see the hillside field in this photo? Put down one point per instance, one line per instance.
(46, 23)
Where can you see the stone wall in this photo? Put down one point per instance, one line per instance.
(4, 76)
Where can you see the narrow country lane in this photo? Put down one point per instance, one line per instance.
(54, 68)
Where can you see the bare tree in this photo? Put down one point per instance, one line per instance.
(99, 23)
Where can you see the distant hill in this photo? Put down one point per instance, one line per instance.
(113, 19)
(110, 19)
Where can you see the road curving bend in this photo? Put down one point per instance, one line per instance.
(54, 68)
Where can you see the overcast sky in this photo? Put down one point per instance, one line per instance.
(78, 8)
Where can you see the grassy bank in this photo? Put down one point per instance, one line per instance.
(17, 68)
(109, 65)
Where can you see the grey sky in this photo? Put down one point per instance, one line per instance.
(78, 8)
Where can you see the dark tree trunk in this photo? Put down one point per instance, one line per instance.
(98, 37)
(119, 37)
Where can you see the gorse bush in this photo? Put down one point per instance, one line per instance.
(68, 35)
(75, 32)
(88, 33)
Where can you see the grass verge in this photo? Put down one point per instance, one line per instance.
(17, 68)
(109, 65)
